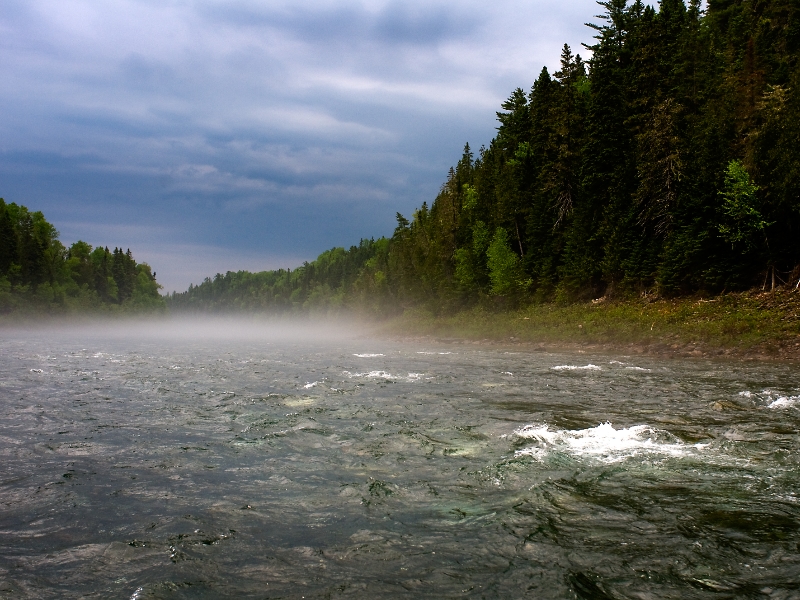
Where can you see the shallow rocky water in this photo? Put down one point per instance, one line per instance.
(167, 464)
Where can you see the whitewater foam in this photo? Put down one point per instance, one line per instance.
(384, 375)
(784, 402)
(603, 442)
(368, 355)
(772, 399)
(589, 367)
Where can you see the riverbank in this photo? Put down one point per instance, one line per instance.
(750, 325)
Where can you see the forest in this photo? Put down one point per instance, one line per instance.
(39, 274)
(665, 164)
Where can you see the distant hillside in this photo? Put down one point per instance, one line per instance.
(37, 273)
(667, 163)
(338, 280)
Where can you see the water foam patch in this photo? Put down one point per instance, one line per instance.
(368, 355)
(785, 402)
(603, 442)
(772, 399)
(384, 375)
(371, 374)
(589, 367)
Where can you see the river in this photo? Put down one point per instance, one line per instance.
(172, 461)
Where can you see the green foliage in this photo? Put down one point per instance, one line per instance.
(470, 198)
(337, 281)
(612, 176)
(504, 265)
(465, 271)
(480, 238)
(741, 219)
(606, 179)
(38, 274)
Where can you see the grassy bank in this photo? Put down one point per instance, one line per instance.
(749, 325)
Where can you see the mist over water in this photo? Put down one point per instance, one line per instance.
(254, 459)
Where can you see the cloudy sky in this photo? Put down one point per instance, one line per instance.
(211, 135)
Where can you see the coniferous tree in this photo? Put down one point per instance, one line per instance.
(670, 160)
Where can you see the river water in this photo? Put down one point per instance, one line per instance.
(173, 462)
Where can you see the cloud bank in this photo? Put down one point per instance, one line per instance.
(210, 135)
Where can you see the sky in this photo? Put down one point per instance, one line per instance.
(209, 136)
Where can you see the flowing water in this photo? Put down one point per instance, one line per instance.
(257, 466)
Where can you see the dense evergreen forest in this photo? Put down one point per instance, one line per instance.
(37, 273)
(337, 280)
(667, 163)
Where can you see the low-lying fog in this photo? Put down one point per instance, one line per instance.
(197, 328)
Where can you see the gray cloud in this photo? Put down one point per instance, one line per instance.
(351, 24)
(247, 129)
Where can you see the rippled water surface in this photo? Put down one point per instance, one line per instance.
(201, 466)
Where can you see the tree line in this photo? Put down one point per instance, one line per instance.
(37, 272)
(336, 281)
(666, 163)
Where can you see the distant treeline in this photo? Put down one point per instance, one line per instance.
(337, 280)
(668, 162)
(37, 273)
